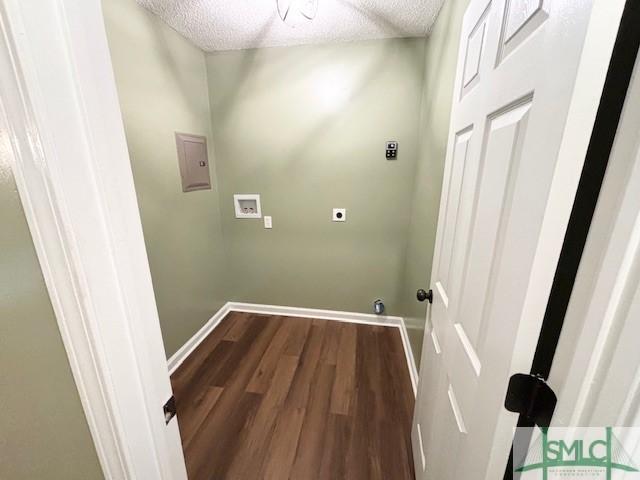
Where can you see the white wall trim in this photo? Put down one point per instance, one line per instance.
(411, 360)
(351, 317)
(25, 153)
(187, 349)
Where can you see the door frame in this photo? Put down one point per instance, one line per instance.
(614, 94)
(61, 130)
(591, 78)
(601, 142)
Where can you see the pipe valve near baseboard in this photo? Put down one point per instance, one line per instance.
(378, 307)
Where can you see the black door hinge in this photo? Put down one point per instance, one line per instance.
(530, 396)
(169, 409)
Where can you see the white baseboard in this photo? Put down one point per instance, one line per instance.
(352, 317)
(411, 361)
(177, 358)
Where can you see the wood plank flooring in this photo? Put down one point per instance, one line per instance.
(268, 397)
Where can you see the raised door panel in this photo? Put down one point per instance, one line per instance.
(431, 377)
(460, 155)
(474, 53)
(504, 135)
(521, 19)
(446, 436)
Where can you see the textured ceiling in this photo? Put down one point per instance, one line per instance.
(237, 24)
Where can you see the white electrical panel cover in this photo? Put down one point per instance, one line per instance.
(194, 162)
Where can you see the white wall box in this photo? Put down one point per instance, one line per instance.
(339, 215)
(194, 162)
(247, 205)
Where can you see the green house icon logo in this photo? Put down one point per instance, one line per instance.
(602, 452)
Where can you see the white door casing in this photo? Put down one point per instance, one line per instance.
(597, 369)
(61, 129)
(524, 102)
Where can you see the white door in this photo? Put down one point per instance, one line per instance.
(495, 253)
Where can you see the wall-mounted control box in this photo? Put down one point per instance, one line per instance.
(247, 205)
(392, 150)
(194, 163)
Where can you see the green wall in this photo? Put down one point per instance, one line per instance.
(162, 85)
(306, 128)
(43, 430)
(440, 68)
(303, 126)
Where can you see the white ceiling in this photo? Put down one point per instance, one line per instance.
(237, 24)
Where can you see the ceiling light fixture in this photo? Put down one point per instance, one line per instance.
(295, 12)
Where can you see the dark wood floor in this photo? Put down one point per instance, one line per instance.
(266, 397)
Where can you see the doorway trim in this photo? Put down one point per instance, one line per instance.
(61, 131)
(614, 93)
(610, 106)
